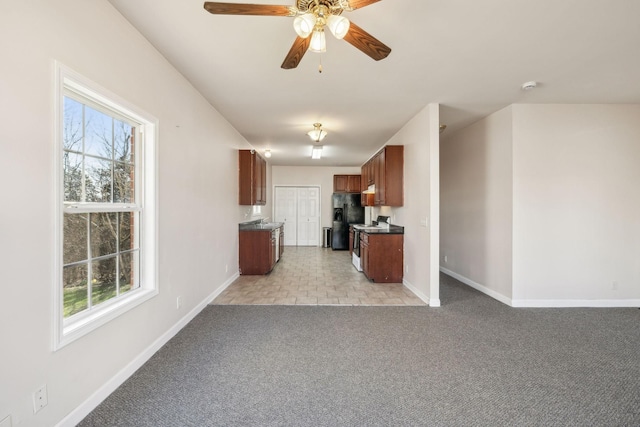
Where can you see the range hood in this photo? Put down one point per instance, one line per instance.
(370, 190)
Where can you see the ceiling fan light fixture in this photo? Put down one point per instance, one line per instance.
(316, 152)
(338, 25)
(317, 134)
(318, 41)
(304, 24)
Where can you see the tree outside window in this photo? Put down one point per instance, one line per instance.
(101, 252)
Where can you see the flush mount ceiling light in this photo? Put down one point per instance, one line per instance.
(317, 134)
(316, 152)
(267, 153)
(529, 85)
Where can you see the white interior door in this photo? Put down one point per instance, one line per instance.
(299, 209)
(308, 216)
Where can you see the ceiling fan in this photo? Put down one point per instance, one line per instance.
(311, 17)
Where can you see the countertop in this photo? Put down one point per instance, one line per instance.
(258, 225)
(369, 229)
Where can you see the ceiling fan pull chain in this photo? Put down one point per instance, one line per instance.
(320, 66)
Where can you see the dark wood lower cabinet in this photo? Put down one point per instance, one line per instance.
(258, 251)
(382, 257)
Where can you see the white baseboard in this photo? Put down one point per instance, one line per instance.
(567, 303)
(221, 288)
(420, 295)
(544, 303)
(111, 385)
(493, 294)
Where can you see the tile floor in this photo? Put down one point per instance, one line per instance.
(315, 276)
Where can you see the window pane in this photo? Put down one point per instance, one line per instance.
(72, 125)
(72, 164)
(74, 281)
(97, 180)
(122, 146)
(103, 280)
(75, 238)
(123, 183)
(129, 272)
(104, 238)
(98, 139)
(127, 227)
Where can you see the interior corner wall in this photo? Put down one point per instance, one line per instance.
(476, 204)
(197, 201)
(576, 226)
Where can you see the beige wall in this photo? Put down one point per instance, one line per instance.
(198, 210)
(420, 212)
(540, 205)
(576, 205)
(476, 204)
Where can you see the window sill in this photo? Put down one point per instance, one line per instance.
(73, 330)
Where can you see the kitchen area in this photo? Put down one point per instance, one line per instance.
(362, 263)
(373, 245)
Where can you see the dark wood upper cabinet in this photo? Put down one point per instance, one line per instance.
(252, 178)
(385, 170)
(346, 183)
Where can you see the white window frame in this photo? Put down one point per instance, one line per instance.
(68, 330)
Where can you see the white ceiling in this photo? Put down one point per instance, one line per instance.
(470, 56)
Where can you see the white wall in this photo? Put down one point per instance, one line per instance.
(197, 201)
(476, 204)
(421, 199)
(576, 205)
(320, 176)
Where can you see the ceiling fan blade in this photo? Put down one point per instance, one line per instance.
(296, 53)
(247, 9)
(368, 44)
(357, 4)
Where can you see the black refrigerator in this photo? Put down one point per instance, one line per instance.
(346, 210)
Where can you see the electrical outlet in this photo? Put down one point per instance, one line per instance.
(406, 268)
(445, 258)
(40, 398)
(6, 422)
(226, 268)
(614, 286)
(178, 303)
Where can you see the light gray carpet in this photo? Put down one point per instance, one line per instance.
(472, 362)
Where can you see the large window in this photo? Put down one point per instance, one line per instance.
(107, 214)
